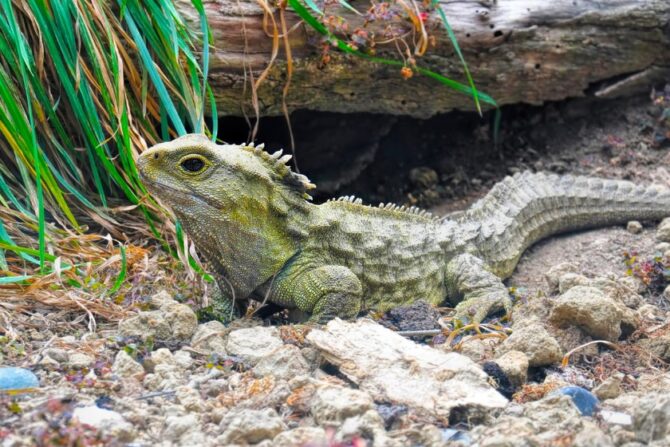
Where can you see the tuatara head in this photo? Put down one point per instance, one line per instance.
(235, 201)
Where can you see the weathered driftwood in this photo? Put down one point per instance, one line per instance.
(519, 51)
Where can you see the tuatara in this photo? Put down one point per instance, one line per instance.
(251, 217)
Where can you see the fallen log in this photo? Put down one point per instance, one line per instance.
(519, 51)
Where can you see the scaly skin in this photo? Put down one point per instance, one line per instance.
(251, 218)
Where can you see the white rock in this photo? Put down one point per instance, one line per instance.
(616, 418)
(593, 312)
(58, 355)
(666, 293)
(634, 227)
(242, 426)
(181, 319)
(532, 339)
(183, 359)
(332, 404)
(252, 344)
(284, 363)
(651, 419)
(183, 430)
(394, 369)
(570, 280)
(554, 273)
(163, 356)
(663, 230)
(662, 247)
(209, 338)
(146, 325)
(301, 436)
(79, 360)
(190, 399)
(108, 422)
(610, 388)
(161, 298)
(515, 365)
(125, 366)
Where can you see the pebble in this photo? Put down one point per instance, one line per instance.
(616, 418)
(79, 360)
(17, 379)
(532, 339)
(515, 365)
(663, 230)
(584, 400)
(125, 366)
(634, 227)
(333, 403)
(254, 343)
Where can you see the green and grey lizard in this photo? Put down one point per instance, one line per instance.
(251, 218)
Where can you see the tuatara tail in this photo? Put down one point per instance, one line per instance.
(526, 208)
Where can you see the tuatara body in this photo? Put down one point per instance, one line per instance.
(250, 216)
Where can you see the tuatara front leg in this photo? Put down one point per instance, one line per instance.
(225, 306)
(482, 291)
(325, 292)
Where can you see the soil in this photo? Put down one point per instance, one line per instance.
(444, 163)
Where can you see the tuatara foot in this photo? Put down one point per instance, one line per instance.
(477, 306)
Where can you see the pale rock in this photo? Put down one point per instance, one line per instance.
(181, 319)
(190, 399)
(332, 404)
(616, 418)
(183, 359)
(391, 368)
(301, 436)
(209, 338)
(476, 349)
(161, 298)
(610, 388)
(666, 293)
(634, 227)
(659, 346)
(254, 343)
(593, 312)
(151, 324)
(532, 339)
(591, 436)
(183, 429)
(663, 230)
(515, 366)
(283, 363)
(368, 425)
(79, 360)
(651, 420)
(649, 312)
(633, 283)
(662, 247)
(58, 355)
(554, 274)
(241, 426)
(618, 291)
(125, 366)
(163, 356)
(108, 422)
(570, 280)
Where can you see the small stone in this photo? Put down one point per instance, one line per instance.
(666, 293)
(301, 436)
(59, 355)
(583, 399)
(183, 430)
(651, 420)
(183, 359)
(649, 312)
(616, 418)
(15, 379)
(634, 227)
(554, 274)
(663, 230)
(146, 325)
(662, 247)
(252, 344)
(610, 388)
(108, 422)
(79, 360)
(533, 340)
(161, 298)
(633, 283)
(515, 365)
(423, 177)
(190, 399)
(182, 320)
(125, 366)
(591, 436)
(570, 280)
(657, 346)
(209, 338)
(332, 404)
(593, 312)
(283, 363)
(250, 426)
(477, 350)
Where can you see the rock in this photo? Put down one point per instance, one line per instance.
(649, 312)
(368, 426)
(533, 340)
(610, 388)
(161, 298)
(570, 280)
(651, 420)
(250, 426)
(515, 365)
(658, 346)
(634, 227)
(79, 360)
(301, 436)
(254, 343)
(617, 418)
(583, 399)
(593, 312)
(209, 338)
(554, 274)
(283, 363)
(331, 404)
(190, 399)
(396, 370)
(423, 177)
(59, 355)
(125, 366)
(144, 325)
(591, 436)
(477, 350)
(183, 359)
(183, 430)
(633, 283)
(662, 247)
(181, 319)
(109, 422)
(663, 230)
(666, 293)
(17, 379)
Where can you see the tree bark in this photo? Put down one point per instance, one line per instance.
(518, 51)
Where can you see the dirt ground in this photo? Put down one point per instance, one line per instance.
(168, 381)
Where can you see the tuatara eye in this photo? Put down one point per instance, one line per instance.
(193, 164)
